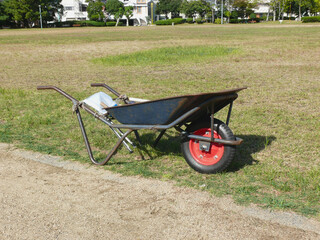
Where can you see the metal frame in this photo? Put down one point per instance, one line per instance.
(116, 128)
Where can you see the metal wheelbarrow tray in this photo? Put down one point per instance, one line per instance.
(207, 144)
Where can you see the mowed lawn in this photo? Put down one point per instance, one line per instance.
(278, 116)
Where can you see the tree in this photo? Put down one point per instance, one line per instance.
(3, 16)
(95, 10)
(112, 6)
(169, 6)
(188, 9)
(298, 7)
(119, 15)
(175, 8)
(244, 7)
(115, 8)
(128, 12)
(228, 15)
(2, 12)
(192, 8)
(202, 7)
(315, 7)
(26, 12)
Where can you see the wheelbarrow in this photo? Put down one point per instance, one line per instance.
(208, 144)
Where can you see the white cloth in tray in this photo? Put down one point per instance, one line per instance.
(95, 100)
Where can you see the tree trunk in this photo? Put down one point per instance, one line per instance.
(268, 14)
(274, 14)
(213, 12)
(118, 19)
(127, 22)
(29, 23)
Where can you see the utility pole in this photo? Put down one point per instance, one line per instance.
(40, 16)
(221, 11)
(152, 7)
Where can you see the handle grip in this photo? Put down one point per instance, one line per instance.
(97, 84)
(44, 87)
(59, 91)
(107, 87)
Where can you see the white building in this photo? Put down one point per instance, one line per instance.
(140, 11)
(77, 10)
(74, 10)
(263, 8)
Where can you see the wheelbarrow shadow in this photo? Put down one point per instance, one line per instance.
(167, 145)
(244, 153)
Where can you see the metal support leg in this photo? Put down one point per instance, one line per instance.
(86, 141)
(229, 113)
(119, 135)
(137, 136)
(212, 123)
(158, 138)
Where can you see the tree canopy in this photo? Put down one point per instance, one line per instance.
(95, 10)
(169, 6)
(26, 12)
(192, 8)
(128, 12)
(114, 6)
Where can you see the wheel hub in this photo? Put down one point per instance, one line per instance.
(206, 153)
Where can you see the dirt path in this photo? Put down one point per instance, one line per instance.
(43, 197)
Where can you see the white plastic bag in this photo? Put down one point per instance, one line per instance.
(96, 99)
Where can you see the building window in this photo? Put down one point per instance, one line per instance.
(141, 1)
(139, 9)
(68, 8)
(83, 7)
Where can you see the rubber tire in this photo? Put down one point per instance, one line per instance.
(229, 151)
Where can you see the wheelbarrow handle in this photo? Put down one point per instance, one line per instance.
(59, 91)
(107, 87)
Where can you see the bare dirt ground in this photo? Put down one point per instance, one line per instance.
(43, 197)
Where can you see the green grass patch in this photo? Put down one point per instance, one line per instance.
(166, 56)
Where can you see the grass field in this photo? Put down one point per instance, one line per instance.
(277, 166)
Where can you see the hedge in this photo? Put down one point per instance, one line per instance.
(91, 23)
(170, 21)
(310, 19)
(77, 23)
(253, 20)
(189, 20)
(199, 21)
(234, 21)
(289, 18)
(178, 20)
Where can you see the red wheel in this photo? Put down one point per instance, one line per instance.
(206, 157)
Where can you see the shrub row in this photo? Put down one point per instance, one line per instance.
(179, 21)
(289, 18)
(170, 21)
(189, 20)
(310, 19)
(86, 23)
(199, 21)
